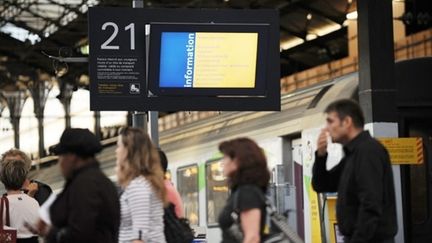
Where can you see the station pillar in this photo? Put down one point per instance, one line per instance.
(15, 100)
(39, 91)
(377, 85)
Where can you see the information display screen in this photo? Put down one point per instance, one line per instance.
(207, 59)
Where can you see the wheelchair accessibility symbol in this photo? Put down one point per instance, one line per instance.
(134, 88)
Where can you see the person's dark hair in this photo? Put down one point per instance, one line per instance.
(347, 107)
(163, 160)
(13, 174)
(251, 162)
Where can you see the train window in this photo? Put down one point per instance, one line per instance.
(216, 190)
(187, 184)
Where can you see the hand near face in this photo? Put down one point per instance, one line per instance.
(322, 142)
(32, 188)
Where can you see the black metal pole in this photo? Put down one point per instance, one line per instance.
(146, 120)
(139, 119)
(377, 86)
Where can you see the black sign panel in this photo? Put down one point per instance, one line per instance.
(118, 78)
(117, 58)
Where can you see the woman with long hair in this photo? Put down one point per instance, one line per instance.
(245, 167)
(141, 178)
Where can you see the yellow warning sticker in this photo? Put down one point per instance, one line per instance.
(404, 150)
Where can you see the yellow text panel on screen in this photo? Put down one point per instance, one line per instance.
(225, 60)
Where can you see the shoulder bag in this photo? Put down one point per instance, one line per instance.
(280, 231)
(6, 235)
(177, 230)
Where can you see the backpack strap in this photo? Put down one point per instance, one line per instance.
(235, 215)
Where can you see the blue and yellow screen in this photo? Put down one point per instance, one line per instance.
(208, 60)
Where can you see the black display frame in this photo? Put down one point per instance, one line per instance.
(142, 101)
(156, 30)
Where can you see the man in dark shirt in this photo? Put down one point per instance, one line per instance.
(363, 179)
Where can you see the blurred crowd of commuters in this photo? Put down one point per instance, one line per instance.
(91, 209)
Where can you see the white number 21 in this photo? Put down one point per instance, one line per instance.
(106, 45)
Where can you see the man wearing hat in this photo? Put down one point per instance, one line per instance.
(88, 209)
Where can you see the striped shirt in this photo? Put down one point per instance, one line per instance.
(141, 213)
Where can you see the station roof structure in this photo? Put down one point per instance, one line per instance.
(312, 32)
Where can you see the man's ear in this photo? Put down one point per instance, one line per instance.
(347, 121)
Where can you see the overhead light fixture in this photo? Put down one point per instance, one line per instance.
(327, 29)
(352, 16)
(311, 37)
(19, 33)
(309, 16)
(290, 44)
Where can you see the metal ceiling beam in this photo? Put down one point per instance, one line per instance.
(290, 66)
(8, 9)
(18, 53)
(304, 5)
(289, 6)
(294, 33)
(68, 7)
(320, 41)
(22, 25)
(313, 11)
(51, 21)
(298, 64)
(36, 63)
(67, 10)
